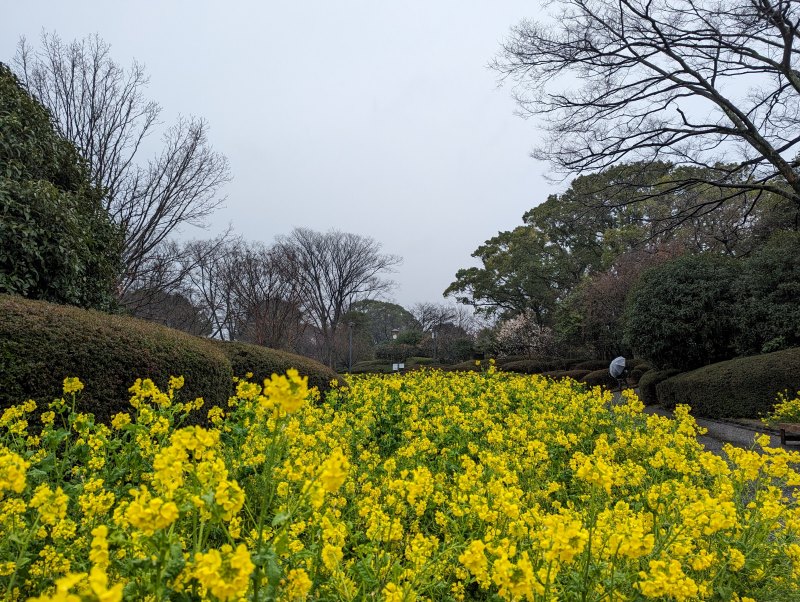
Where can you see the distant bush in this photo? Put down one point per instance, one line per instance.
(682, 314)
(539, 365)
(395, 352)
(415, 362)
(264, 362)
(532, 366)
(42, 343)
(636, 373)
(648, 382)
(745, 387)
(600, 378)
(573, 374)
(468, 365)
(591, 365)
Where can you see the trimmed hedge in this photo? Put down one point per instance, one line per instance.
(264, 362)
(537, 366)
(600, 378)
(740, 388)
(573, 374)
(648, 383)
(468, 366)
(42, 343)
(636, 373)
(592, 365)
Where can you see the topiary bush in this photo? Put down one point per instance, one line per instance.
(648, 383)
(42, 343)
(537, 366)
(745, 387)
(636, 373)
(592, 365)
(600, 378)
(264, 362)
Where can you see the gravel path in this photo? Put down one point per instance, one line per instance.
(720, 433)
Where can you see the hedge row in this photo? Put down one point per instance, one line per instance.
(42, 343)
(740, 388)
(648, 383)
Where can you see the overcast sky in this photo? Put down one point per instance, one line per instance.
(370, 117)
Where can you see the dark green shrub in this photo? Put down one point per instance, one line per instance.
(57, 241)
(419, 361)
(591, 365)
(507, 359)
(741, 388)
(396, 352)
(42, 343)
(573, 374)
(636, 374)
(648, 383)
(769, 312)
(600, 378)
(537, 366)
(468, 366)
(264, 362)
(682, 314)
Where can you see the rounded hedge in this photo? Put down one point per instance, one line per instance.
(537, 366)
(591, 365)
(648, 383)
(600, 378)
(573, 374)
(264, 362)
(636, 374)
(745, 387)
(42, 343)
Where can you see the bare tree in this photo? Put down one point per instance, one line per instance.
(431, 316)
(100, 107)
(267, 297)
(334, 270)
(713, 84)
(209, 283)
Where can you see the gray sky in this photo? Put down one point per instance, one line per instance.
(370, 117)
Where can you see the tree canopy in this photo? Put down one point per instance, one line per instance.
(57, 242)
(578, 233)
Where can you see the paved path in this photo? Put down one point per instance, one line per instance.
(720, 433)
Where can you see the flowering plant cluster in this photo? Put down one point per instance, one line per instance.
(785, 410)
(426, 486)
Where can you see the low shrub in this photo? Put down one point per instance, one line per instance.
(636, 373)
(264, 362)
(42, 343)
(534, 366)
(745, 387)
(600, 378)
(467, 366)
(573, 374)
(648, 382)
(591, 365)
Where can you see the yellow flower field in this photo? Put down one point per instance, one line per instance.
(427, 486)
